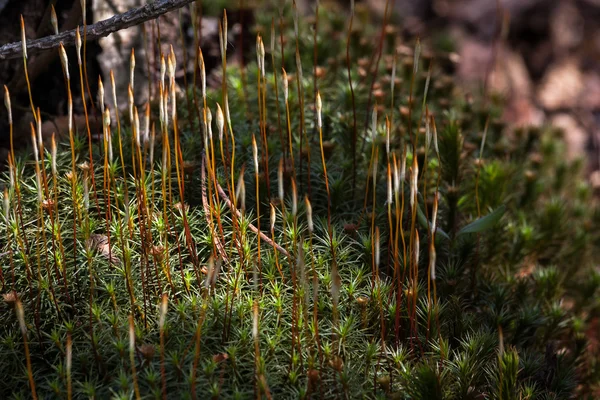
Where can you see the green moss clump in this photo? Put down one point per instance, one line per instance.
(437, 257)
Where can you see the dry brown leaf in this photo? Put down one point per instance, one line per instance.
(99, 242)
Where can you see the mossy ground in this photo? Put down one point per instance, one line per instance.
(516, 243)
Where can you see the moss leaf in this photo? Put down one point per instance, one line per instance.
(484, 223)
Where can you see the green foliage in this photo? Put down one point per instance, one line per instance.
(346, 305)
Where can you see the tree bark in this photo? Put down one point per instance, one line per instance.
(94, 31)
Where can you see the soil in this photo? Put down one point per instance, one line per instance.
(543, 56)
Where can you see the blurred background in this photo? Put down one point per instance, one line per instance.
(541, 56)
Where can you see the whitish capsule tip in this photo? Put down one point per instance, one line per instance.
(294, 198)
(255, 154)
(240, 192)
(309, 218)
(78, 45)
(35, 144)
(53, 152)
(69, 352)
(106, 118)
(417, 244)
(403, 167)
(432, 260)
(6, 201)
(209, 122)
(396, 172)
(273, 217)
(377, 248)
(161, 108)
(202, 72)
(164, 302)
(70, 114)
(255, 320)
(21, 316)
(23, 38)
(136, 121)
(7, 104)
(374, 123)
(163, 69)
(220, 122)
(39, 129)
(319, 108)
(258, 57)
(434, 213)
(280, 180)
(170, 68)
(210, 271)
(131, 334)
(101, 94)
(261, 48)
(132, 69)
(285, 85)
(54, 19)
(173, 58)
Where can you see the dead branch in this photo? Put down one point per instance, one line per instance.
(253, 228)
(94, 31)
(225, 198)
(219, 245)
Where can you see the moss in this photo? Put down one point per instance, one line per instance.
(360, 297)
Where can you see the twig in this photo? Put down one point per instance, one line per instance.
(253, 228)
(95, 31)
